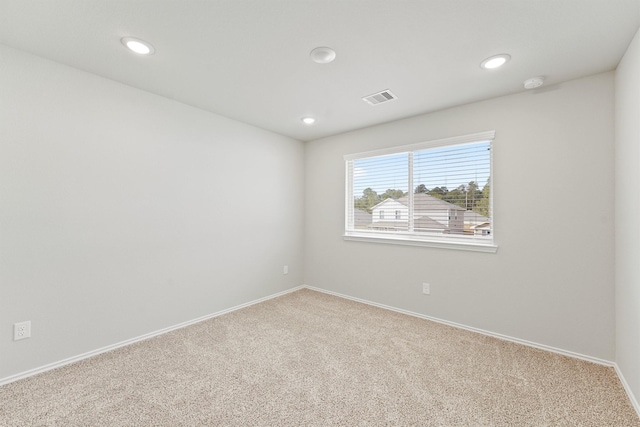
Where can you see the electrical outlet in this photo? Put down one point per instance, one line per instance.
(426, 289)
(21, 330)
(285, 270)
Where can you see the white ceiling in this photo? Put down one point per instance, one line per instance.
(249, 59)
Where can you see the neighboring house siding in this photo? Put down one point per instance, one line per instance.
(362, 219)
(430, 215)
(387, 211)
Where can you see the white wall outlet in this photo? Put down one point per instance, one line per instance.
(21, 330)
(426, 288)
(285, 270)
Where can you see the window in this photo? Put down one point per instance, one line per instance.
(440, 192)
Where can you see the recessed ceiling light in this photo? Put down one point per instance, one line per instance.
(323, 55)
(308, 120)
(495, 61)
(138, 46)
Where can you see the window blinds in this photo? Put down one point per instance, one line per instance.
(434, 190)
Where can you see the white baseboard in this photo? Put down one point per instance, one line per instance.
(470, 328)
(632, 397)
(634, 401)
(89, 354)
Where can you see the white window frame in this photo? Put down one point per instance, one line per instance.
(470, 243)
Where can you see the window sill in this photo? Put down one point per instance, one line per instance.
(462, 245)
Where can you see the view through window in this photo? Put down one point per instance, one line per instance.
(434, 191)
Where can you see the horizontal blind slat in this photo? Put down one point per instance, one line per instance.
(451, 190)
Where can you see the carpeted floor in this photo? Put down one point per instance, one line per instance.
(311, 359)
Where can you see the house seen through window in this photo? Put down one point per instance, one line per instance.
(438, 192)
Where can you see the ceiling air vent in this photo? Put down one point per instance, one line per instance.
(380, 97)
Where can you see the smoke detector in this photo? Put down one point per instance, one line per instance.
(534, 82)
(380, 97)
(323, 55)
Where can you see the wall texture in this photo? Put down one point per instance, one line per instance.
(551, 281)
(627, 250)
(122, 213)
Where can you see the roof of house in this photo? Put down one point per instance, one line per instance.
(426, 202)
(387, 201)
(486, 225)
(471, 216)
(361, 217)
(423, 222)
(427, 222)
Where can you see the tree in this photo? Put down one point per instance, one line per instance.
(421, 189)
(368, 199)
(482, 206)
(457, 197)
(465, 196)
(473, 194)
(439, 192)
(392, 194)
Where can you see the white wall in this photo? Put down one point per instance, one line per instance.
(551, 281)
(122, 212)
(627, 249)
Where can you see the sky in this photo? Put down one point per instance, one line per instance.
(448, 166)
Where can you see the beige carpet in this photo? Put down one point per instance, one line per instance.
(310, 359)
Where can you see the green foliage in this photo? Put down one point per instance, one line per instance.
(469, 196)
(370, 198)
(482, 207)
(466, 196)
(392, 194)
(421, 189)
(439, 192)
(456, 197)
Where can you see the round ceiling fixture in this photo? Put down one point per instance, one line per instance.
(495, 61)
(323, 55)
(534, 82)
(138, 46)
(308, 120)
